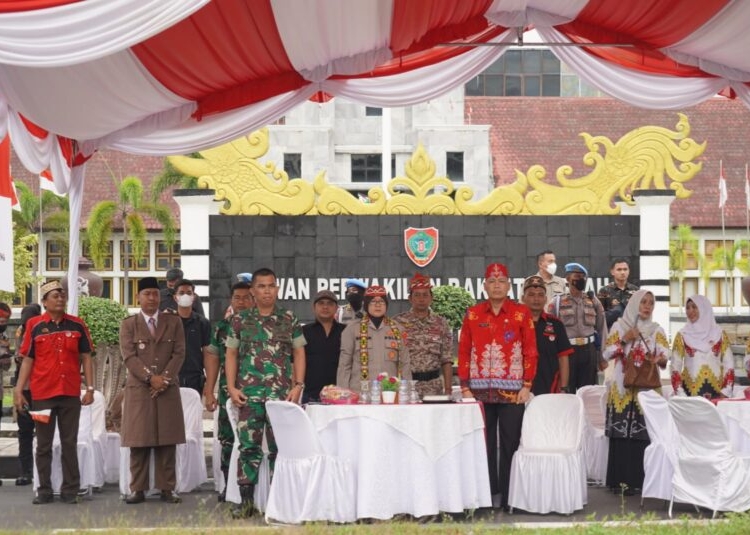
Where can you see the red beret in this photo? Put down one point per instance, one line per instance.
(496, 270)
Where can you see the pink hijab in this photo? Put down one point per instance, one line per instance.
(704, 332)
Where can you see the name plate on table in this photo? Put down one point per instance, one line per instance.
(437, 399)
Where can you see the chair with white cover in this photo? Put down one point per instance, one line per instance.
(708, 472)
(86, 455)
(260, 498)
(99, 437)
(660, 456)
(308, 483)
(595, 442)
(191, 460)
(548, 472)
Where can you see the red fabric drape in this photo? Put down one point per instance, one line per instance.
(6, 182)
(9, 6)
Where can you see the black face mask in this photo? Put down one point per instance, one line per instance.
(579, 284)
(2, 328)
(355, 300)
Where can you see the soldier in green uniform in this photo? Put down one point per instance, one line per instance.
(265, 359)
(242, 299)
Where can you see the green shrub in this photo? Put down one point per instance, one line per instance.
(103, 317)
(451, 302)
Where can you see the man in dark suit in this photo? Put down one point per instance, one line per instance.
(153, 348)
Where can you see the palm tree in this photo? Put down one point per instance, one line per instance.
(171, 177)
(682, 246)
(127, 211)
(728, 259)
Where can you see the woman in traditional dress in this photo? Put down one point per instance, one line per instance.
(635, 335)
(702, 359)
(372, 345)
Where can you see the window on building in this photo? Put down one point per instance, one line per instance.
(143, 265)
(167, 257)
(24, 300)
(107, 288)
(108, 256)
(293, 164)
(720, 291)
(689, 287)
(132, 291)
(528, 73)
(711, 248)
(373, 112)
(367, 167)
(454, 165)
(57, 256)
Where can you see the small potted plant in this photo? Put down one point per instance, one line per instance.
(388, 387)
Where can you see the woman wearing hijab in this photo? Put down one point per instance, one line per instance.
(372, 344)
(702, 359)
(635, 336)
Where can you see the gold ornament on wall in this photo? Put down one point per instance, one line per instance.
(650, 157)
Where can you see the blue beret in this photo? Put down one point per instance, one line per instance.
(245, 277)
(575, 267)
(356, 282)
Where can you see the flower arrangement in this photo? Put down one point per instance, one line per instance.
(388, 383)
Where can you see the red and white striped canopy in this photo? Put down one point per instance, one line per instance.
(164, 77)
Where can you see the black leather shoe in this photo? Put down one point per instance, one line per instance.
(23, 480)
(170, 496)
(40, 499)
(135, 497)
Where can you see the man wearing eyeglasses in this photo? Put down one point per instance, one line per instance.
(242, 299)
(497, 360)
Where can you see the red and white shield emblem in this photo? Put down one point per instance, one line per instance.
(421, 244)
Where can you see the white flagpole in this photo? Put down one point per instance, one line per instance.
(723, 232)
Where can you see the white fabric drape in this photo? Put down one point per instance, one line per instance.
(636, 88)
(524, 13)
(75, 208)
(83, 31)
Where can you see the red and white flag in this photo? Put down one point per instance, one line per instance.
(7, 200)
(722, 187)
(42, 416)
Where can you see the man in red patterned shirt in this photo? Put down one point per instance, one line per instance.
(497, 358)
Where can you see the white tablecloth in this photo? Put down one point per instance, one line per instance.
(736, 416)
(415, 459)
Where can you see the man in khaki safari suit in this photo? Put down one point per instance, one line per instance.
(153, 348)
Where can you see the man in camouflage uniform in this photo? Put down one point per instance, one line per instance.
(242, 299)
(583, 317)
(265, 359)
(615, 295)
(429, 339)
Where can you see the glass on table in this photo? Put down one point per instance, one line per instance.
(413, 392)
(364, 391)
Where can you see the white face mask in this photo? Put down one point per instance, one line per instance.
(551, 268)
(184, 300)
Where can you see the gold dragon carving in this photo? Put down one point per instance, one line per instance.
(650, 157)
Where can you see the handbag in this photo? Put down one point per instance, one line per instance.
(645, 375)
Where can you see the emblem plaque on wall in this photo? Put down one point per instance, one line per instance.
(421, 244)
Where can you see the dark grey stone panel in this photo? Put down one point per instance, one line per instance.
(285, 228)
(557, 225)
(369, 245)
(495, 245)
(474, 266)
(263, 246)
(347, 246)
(600, 246)
(346, 225)
(221, 246)
(304, 226)
(452, 245)
(265, 225)
(325, 225)
(304, 266)
(392, 246)
(475, 225)
(241, 245)
(283, 246)
(517, 226)
(326, 245)
(495, 225)
(326, 267)
(304, 246)
(220, 225)
(474, 246)
(600, 225)
(388, 225)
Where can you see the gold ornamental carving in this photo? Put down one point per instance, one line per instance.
(650, 157)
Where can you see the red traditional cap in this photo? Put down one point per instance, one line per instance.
(4, 313)
(495, 271)
(376, 291)
(420, 282)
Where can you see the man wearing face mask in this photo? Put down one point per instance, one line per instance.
(197, 341)
(546, 262)
(355, 294)
(586, 326)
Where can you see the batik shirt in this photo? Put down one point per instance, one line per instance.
(265, 344)
(497, 354)
(703, 373)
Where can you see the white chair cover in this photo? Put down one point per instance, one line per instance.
(191, 459)
(595, 442)
(99, 437)
(708, 472)
(548, 472)
(308, 484)
(112, 457)
(264, 472)
(660, 456)
(190, 463)
(219, 482)
(86, 455)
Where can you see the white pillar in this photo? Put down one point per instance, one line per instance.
(387, 133)
(196, 205)
(653, 207)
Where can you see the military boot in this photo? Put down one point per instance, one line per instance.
(247, 507)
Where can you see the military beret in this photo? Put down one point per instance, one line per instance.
(575, 267)
(356, 282)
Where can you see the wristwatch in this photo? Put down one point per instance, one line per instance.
(89, 388)
(299, 384)
(565, 389)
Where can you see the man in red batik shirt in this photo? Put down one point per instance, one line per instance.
(497, 358)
